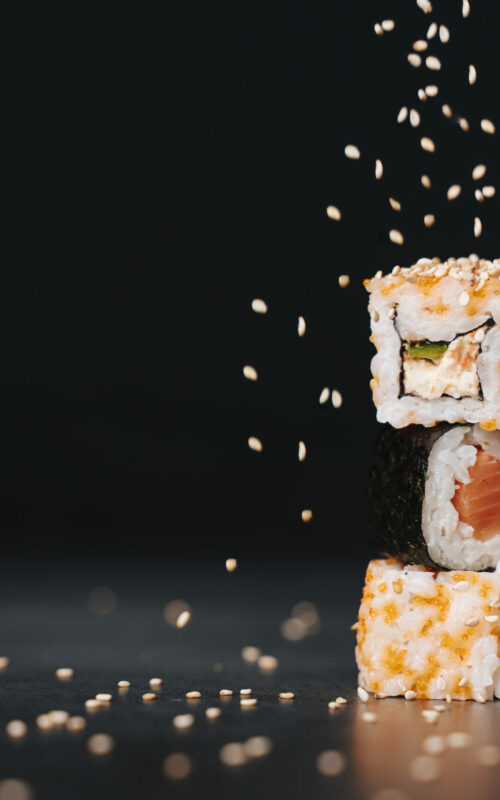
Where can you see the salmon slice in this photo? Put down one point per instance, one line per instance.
(478, 502)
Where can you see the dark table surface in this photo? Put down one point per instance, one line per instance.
(46, 623)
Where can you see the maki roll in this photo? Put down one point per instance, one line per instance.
(426, 634)
(436, 330)
(434, 495)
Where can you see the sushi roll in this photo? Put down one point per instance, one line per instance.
(426, 634)
(434, 495)
(436, 330)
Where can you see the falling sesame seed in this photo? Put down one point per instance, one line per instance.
(259, 306)
(92, 704)
(232, 754)
(478, 227)
(432, 30)
(464, 124)
(479, 196)
(4, 662)
(250, 654)
(250, 373)
(344, 280)
(472, 621)
(410, 695)
(395, 204)
(307, 515)
(429, 220)
(185, 616)
(330, 763)
(302, 451)
(388, 24)
(247, 702)
(420, 45)
(434, 745)
(325, 394)
(301, 326)
(100, 744)
(427, 144)
(492, 618)
(422, 95)
(444, 34)
(76, 724)
(454, 191)
(425, 181)
(488, 755)
(378, 29)
(489, 191)
(286, 695)
(148, 697)
(124, 684)
(58, 717)
(379, 169)
(183, 721)
(44, 722)
(226, 692)
(465, 8)
(461, 586)
(432, 62)
(103, 697)
(431, 90)
(447, 111)
(64, 673)
(414, 59)
(352, 151)
(254, 444)
(414, 118)
(403, 113)
(487, 126)
(258, 746)
(369, 716)
(267, 663)
(194, 695)
(177, 766)
(333, 213)
(16, 729)
(363, 694)
(472, 74)
(336, 398)
(231, 564)
(458, 740)
(479, 172)
(463, 300)
(213, 712)
(396, 236)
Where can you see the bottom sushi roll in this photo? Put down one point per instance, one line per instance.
(429, 634)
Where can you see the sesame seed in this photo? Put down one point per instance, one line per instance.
(395, 204)
(489, 755)
(247, 702)
(422, 95)
(431, 90)
(440, 707)
(100, 744)
(489, 191)
(425, 5)
(103, 697)
(378, 29)
(430, 715)
(148, 697)
(464, 125)
(465, 8)
(92, 704)
(472, 621)
(212, 712)
(363, 694)
(429, 220)
(250, 373)
(487, 126)
(352, 151)
(432, 30)
(76, 724)
(226, 692)
(425, 181)
(254, 444)
(332, 705)
(444, 34)
(458, 740)
(231, 564)
(177, 766)
(182, 721)
(396, 236)
(379, 169)
(479, 697)
(425, 769)
(410, 695)
(403, 113)
(369, 716)
(336, 398)
(4, 662)
(301, 327)
(388, 24)
(420, 45)
(374, 315)
(478, 172)
(341, 701)
(447, 111)
(463, 300)
(427, 144)
(414, 59)
(232, 754)
(461, 586)
(414, 118)
(434, 745)
(432, 62)
(258, 746)
(448, 698)
(330, 763)
(344, 280)
(286, 695)
(250, 654)
(453, 191)
(472, 74)
(333, 213)
(478, 227)
(259, 306)
(245, 691)
(64, 673)
(44, 722)
(58, 717)
(306, 515)
(16, 729)
(325, 394)
(193, 695)
(302, 451)
(491, 618)
(267, 663)
(463, 682)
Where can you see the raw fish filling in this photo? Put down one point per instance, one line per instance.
(478, 502)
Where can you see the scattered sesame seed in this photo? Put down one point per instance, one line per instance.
(194, 695)
(414, 118)
(100, 744)
(430, 715)
(379, 169)
(461, 586)
(306, 515)
(427, 144)
(488, 755)
(425, 181)
(301, 326)
(422, 95)
(254, 444)
(432, 30)
(352, 151)
(333, 213)
(336, 398)
(472, 74)
(258, 746)
(302, 451)
(410, 695)
(325, 394)
(232, 754)
(16, 729)
(420, 45)
(489, 191)
(184, 617)
(444, 34)
(245, 691)
(454, 191)
(472, 621)
(64, 673)
(465, 8)
(458, 740)
(4, 662)
(341, 701)
(463, 300)
(414, 59)
(464, 124)
(375, 316)
(103, 697)
(148, 697)
(182, 721)
(396, 236)
(432, 62)
(363, 694)
(434, 745)
(403, 113)
(250, 654)
(123, 684)
(487, 126)
(286, 695)
(378, 29)
(429, 220)
(478, 172)
(267, 663)
(425, 769)
(491, 618)
(259, 306)
(431, 90)
(344, 281)
(76, 724)
(369, 716)
(447, 111)
(395, 204)
(231, 564)
(44, 722)
(177, 766)
(478, 227)
(247, 702)
(155, 683)
(212, 712)
(425, 5)
(92, 704)
(332, 705)
(388, 24)
(250, 373)
(58, 717)
(330, 763)
(226, 692)
(463, 682)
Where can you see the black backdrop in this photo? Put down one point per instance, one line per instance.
(167, 163)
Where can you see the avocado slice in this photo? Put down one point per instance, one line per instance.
(430, 350)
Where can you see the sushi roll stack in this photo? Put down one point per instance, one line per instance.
(429, 621)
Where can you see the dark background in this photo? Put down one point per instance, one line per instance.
(165, 164)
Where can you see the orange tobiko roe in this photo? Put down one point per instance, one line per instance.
(478, 502)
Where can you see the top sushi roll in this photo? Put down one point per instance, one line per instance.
(435, 326)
